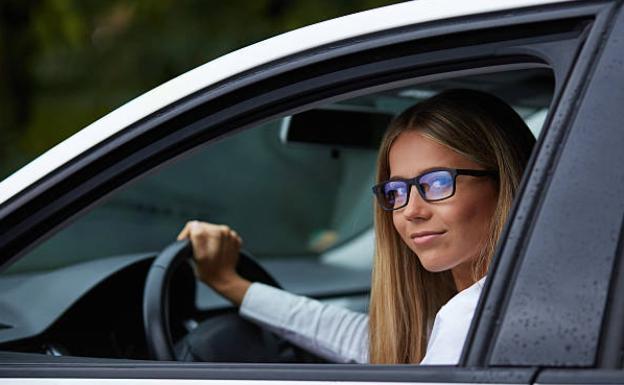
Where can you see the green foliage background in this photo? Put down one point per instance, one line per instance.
(65, 63)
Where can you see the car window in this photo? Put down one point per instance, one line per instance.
(297, 189)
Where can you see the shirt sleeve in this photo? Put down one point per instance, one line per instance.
(332, 332)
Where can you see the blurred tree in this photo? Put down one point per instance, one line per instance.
(64, 63)
(17, 47)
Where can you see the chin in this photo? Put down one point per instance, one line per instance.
(433, 266)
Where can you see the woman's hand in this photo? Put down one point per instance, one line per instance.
(216, 249)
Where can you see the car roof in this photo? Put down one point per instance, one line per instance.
(224, 67)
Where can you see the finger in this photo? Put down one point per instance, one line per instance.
(234, 239)
(211, 240)
(185, 231)
(237, 237)
(200, 233)
(224, 234)
(194, 228)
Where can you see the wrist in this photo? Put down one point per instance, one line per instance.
(231, 286)
(223, 281)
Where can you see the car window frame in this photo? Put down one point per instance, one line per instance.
(191, 110)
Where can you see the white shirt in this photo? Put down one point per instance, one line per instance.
(341, 335)
(451, 326)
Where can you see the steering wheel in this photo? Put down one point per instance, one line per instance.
(157, 287)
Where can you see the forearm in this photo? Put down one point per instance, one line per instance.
(334, 333)
(232, 288)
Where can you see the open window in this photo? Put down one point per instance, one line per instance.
(301, 201)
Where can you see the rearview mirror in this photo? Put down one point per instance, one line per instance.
(337, 127)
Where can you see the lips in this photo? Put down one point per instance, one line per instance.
(424, 237)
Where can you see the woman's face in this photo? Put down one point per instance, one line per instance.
(450, 233)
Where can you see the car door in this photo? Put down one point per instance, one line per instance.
(588, 300)
(570, 39)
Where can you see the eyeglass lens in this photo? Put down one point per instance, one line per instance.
(395, 193)
(435, 185)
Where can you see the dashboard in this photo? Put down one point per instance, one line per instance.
(94, 308)
(89, 309)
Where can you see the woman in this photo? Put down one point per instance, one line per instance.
(448, 170)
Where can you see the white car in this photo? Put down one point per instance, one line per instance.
(278, 141)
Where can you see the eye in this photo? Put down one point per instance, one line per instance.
(440, 182)
(395, 193)
(393, 189)
(437, 184)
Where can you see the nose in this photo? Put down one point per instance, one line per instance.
(417, 207)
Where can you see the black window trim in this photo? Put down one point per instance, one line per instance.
(67, 367)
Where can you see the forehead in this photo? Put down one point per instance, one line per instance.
(412, 153)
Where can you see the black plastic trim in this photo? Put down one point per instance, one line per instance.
(611, 345)
(71, 367)
(580, 376)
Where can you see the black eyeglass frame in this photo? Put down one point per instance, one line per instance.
(378, 188)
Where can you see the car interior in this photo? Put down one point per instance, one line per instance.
(296, 188)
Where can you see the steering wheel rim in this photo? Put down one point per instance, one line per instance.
(156, 293)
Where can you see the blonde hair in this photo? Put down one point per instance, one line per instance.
(404, 296)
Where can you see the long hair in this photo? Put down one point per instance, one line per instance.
(404, 296)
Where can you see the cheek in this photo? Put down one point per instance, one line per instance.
(470, 222)
(400, 225)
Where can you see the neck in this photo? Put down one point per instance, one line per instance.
(462, 275)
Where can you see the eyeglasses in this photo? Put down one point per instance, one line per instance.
(433, 185)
